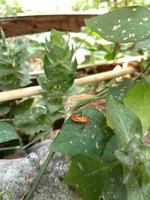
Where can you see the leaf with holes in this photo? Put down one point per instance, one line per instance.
(141, 92)
(7, 132)
(87, 176)
(124, 122)
(78, 138)
(127, 24)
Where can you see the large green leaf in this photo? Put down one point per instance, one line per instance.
(87, 176)
(115, 189)
(125, 123)
(7, 132)
(127, 24)
(138, 100)
(78, 138)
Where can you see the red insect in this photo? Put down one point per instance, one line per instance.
(80, 119)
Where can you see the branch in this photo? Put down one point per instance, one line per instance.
(21, 25)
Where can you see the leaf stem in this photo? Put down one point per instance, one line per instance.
(10, 148)
(140, 75)
(115, 4)
(7, 193)
(126, 3)
(42, 170)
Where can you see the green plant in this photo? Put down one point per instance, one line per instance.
(9, 8)
(109, 158)
(14, 71)
(35, 116)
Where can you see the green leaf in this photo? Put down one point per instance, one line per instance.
(59, 63)
(4, 109)
(135, 191)
(119, 91)
(54, 104)
(7, 132)
(5, 69)
(87, 176)
(138, 100)
(31, 118)
(125, 159)
(14, 71)
(124, 122)
(78, 138)
(111, 146)
(126, 24)
(115, 189)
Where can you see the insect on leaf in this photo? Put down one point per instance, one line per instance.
(83, 138)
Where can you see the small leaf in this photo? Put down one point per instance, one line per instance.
(128, 24)
(119, 91)
(78, 138)
(141, 93)
(87, 176)
(124, 122)
(4, 109)
(7, 132)
(111, 146)
(135, 190)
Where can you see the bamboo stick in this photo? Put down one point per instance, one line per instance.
(103, 76)
(19, 93)
(33, 91)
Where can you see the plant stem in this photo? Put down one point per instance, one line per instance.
(42, 170)
(10, 148)
(140, 75)
(126, 3)
(7, 193)
(115, 4)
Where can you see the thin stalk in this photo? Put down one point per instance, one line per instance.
(145, 70)
(9, 148)
(115, 4)
(34, 140)
(7, 193)
(36, 181)
(126, 3)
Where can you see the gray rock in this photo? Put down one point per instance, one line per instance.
(51, 186)
(17, 174)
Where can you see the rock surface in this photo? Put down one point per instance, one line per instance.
(16, 174)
